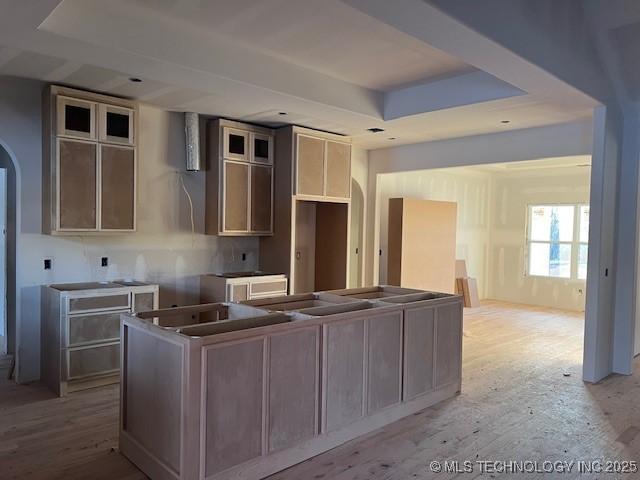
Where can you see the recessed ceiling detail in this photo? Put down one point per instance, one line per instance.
(326, 65)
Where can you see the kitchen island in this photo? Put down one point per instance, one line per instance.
(273, 382)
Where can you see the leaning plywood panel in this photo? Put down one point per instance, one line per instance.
(422, 244)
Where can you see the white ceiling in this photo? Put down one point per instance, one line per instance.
(358, 48)
(326, 64)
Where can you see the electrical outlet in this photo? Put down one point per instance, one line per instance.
(48, 263)
(104, 261)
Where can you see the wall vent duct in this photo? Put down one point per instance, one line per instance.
(192, 141)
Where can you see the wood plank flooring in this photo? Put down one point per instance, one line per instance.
(522, 399)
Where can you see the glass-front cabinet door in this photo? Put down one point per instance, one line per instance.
(236, 144)
(262, 148)
(76, 118)
(116, 124)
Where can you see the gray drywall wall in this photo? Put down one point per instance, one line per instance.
(163, 250)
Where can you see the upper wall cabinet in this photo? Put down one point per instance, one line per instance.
(239, 188)
(322, 167)
(89, 163)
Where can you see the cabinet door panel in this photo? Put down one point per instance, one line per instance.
(310, 166)
(236, 144)
(116, 124)
(384, 361)
(236, 197)
(293, 388)
(418, 354)
(232, 392)
(448, 344)
(261, 198)
(238, 292)
(144, 302)
(338, 170)
(77, 185)
(117, 188)
(344, 383)
(262, 148)
(76, 118)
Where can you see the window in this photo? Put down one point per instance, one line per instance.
(557, 241)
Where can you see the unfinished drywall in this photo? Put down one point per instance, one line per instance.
(518, 145)
(511, 194)
(469, 188)
(164, 250)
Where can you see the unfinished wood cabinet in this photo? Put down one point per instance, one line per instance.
(89, 163)
(311, 229)
(239, 185)
(80, 335)
(421, 244)
(248, 397)
(322, 166)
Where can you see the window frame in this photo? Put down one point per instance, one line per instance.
(575, 242)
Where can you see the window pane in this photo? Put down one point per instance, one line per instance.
(582, 261)
(584, 224)
(552, 223)
(550, 260)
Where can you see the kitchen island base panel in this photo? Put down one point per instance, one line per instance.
(278, 461)
(249, 402)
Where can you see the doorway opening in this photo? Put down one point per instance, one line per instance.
(7, 253)
(522, 232)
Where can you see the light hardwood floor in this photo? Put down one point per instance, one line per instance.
(522, 399)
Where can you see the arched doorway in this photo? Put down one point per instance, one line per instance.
(8, 229)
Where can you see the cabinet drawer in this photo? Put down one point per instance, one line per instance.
(102, 302)
(94, 328)
(87, 361)
(267, 287)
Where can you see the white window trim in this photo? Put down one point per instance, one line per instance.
(575, 242)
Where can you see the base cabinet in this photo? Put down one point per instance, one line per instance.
(218, 288)
(249, 403)
(80, 334)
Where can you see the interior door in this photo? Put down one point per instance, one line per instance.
(77, 185)
(310, 166)
(236, 197)
(338, 170)
(117, 187)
